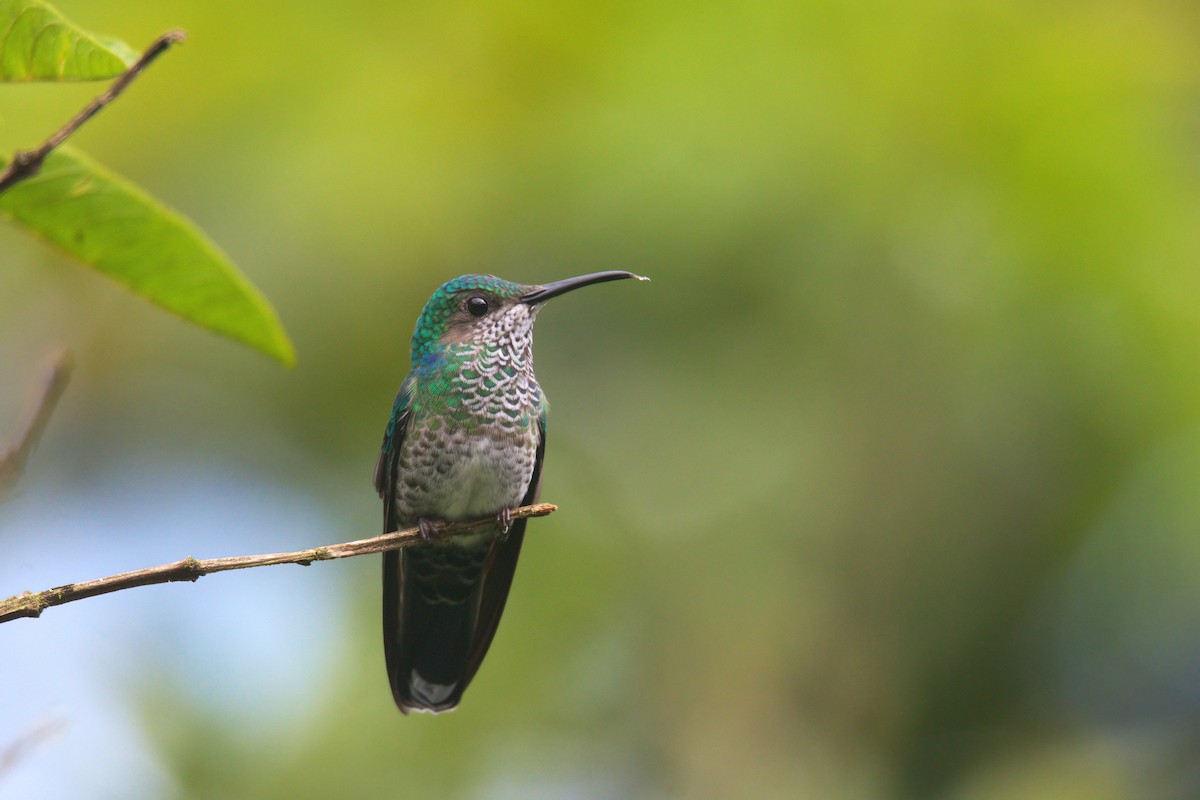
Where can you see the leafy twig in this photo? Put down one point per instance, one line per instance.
(12, 460)
(26, 163)
(31, 604)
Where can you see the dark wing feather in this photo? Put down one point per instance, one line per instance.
(500, 567)
(385, 483)
(393, 440)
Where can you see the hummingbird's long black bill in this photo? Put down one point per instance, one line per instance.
(542, 293)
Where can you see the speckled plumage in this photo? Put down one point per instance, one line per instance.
(466, 440)
(473, 423)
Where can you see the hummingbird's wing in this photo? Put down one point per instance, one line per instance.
(389, 452)
(386, 469)
(501, 565)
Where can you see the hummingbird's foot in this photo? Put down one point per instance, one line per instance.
(429, 530)
(504, 520)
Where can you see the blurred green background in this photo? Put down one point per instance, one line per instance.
(886, 487)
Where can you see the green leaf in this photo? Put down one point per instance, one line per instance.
(155, 252)
(38, 44)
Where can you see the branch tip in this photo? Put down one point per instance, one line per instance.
(14, 458)
(27, 163)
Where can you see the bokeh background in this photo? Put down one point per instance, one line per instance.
(886, 487)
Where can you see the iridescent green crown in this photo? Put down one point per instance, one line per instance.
(436, 314)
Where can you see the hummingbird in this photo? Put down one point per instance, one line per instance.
(466, 440)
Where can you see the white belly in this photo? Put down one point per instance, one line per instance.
(463, 476)
(482, 484)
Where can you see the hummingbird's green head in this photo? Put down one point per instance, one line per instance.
(483, 310)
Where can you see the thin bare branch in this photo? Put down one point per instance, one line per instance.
(31, 604)
(26, 163)
(36, 736)
(13, 460)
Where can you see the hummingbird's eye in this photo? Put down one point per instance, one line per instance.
(477, 305)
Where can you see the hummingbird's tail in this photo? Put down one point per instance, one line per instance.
(441, 605)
